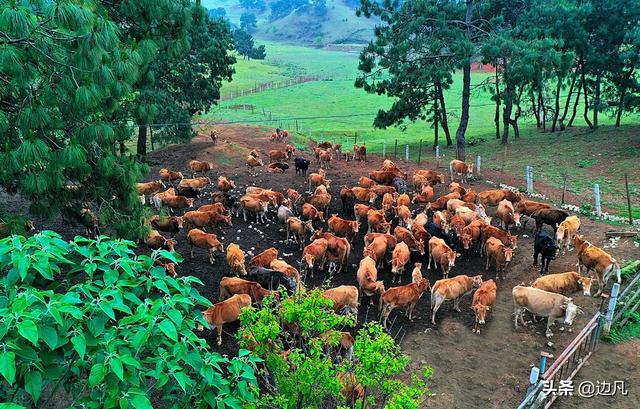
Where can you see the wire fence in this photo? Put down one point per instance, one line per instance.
(264, 86)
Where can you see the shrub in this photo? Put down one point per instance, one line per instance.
(88, 323)
(299, 370)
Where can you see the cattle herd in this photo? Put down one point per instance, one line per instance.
(402, 231)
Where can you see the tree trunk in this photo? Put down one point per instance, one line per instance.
(444, 121)
(514, 121)
(556, 114)
(436, 114)
(596, 103)
(575, 105)
(586, 100)
(506, 114)
(568, 102)
(533, 107)
(496, 117)
(542, 110)
(466, 89)
(123, 149)
(623, 94)
(142, 141)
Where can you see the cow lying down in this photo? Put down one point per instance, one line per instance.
(556, 307)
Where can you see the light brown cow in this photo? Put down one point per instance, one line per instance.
(406, 295)
(156, 241)
(420, 234)
(265, 258)
(543, 304)
(387, 204)
(419, 182)
(287, 269)
(342, 227)
(391, 240)
(432, 176)
(380, 190)
(225, 184)
(229, 286)
(564, 283)
(254, 205)
(208, 241)
(314, 253)
(483, 300)
(252, 163)
(365, 195)
(200, 166)
(317, 179)
(215, 207)
(148, 188)
(404, 235)
(498, 253)
(441, 202)
(177, 202)
(366, 182)
(567, 231)
(508, 215)
(225, 312)
(276, 155)
(416, 274)
(404, 216)
(472, 234)
(377, 250)
(440, 220)
(399, 258)
(169, 175)
(492, 231)
(424, 197)
(598, 260)
(345, 298)
(367, 277)
(195, 183)
(384, 177)
(452, 289)
(325, 159)
(235, 259)
(299, 230)
(495, 196)
(200, 219)
(462, 169)
(360, 211)
(376, 221)
(403, 200)
(338, 250)
(309, 212)
(321, 201)
(457, 187)
(440, 253)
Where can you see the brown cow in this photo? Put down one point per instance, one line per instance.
(391, 240)
(452, 289)
(416, 274)
(377, 250)
(276, 155)
(441, 202)
(439, 252)
(399, 258)
(199, 166)
(255, 206)
(457, 187)
(380, 190)
(564, 283)
(342, 227)
(366, 182)
(483, 300)
(345, 298)
(317, 179)
(432, 176)
(195, 183)
(462, 169)
(265, 258)
(420, 234)
(360, 211)
(424, 197)
(594, 258)
(235, 259)
(339, 343)
(365, 195)
(225, 312)
(405, 236)
(506, 238)
(498, 252)
(325, 159)
(208, 241)
(543, 304)
(406, 295)
(298, 229)
(376, 221)
(205, 219)
(149, 187)
(404, 216)
(229, 286)
(495, 196)
(309, 212)
(567, 231)
(367, 277)
(347, 198)
(169, 175)
(338, 250)
(387, 204)
(285, 268)
(215, 207)
(169, 224)
(472, 234)
(252, 163)
(315, 252)
(508, 215)
(225, 184)
(321, 201)
(157, 241)
(384, 177)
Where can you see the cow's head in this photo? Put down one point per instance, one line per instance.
(240, 267)
(308, 260)
(355, 226)
(467, 239)
(170, 268)
(227, 220)
(470, 169)
(264, 205)
(508, 254)
(514, 242)
(190, 202)
(372, 197)
(441, 177)
(420, 247)
(579, 241)
(379, 287)
(476, 281)
(451, 258)
(179, 221)
(320, 216)
(570, 311)
(308, 227)
(481, 312)
(585, 284)
(170, 244)
(516, 219)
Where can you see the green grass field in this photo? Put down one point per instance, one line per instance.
(335, 110)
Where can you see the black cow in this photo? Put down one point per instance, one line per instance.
(188, 191)
(400, 184)
(271, 279)
(302, 165)
(547, 247)
(552, 217)
(436, 231)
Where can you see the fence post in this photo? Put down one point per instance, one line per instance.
(626, 185)
(613, 300)
(543, 361)
(596, 193)
(384, 149)
(395, 151)
(478, 162)
(406, 153)
(420, 151)
(529, 175)
(437, 156)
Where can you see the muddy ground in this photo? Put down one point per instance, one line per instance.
(470, 371)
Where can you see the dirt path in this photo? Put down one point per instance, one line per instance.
(480, 371)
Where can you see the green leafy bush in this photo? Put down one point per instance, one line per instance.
(90, 324)
(301, 372)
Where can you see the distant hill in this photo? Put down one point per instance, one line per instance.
(305, 21)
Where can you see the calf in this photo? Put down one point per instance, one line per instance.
(462, 169)
(452, 289)
(225, 184)
(277, 167)
(314, 253)
(399, 258)
(345, 299)
(235, 259)
(567, 231)
(594, 258)
(229, 286)
(290, 150)
(507, 215)
(498, 253)
(546, 246)
(367, 277)
(225, 312)
(564, 283)
(169, 175)
(272, 279)
(483, 300)
(325, 159)
(298, 229)
(439, 252)
(416, 274)
(265, 258)
(302, 165)
(406, 295)
(543, 304)
(208, 241)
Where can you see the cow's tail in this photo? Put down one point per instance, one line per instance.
(433, 300)
(616, 265)
(451, 169)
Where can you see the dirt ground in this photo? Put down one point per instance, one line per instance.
(470, 371)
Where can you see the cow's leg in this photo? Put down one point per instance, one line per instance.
(244, 214)
(219, 328)
(486, 268)
(548, 332)
(429, 263)
(191, 250)
(456, 304)
(211, 255)
(435, 309)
